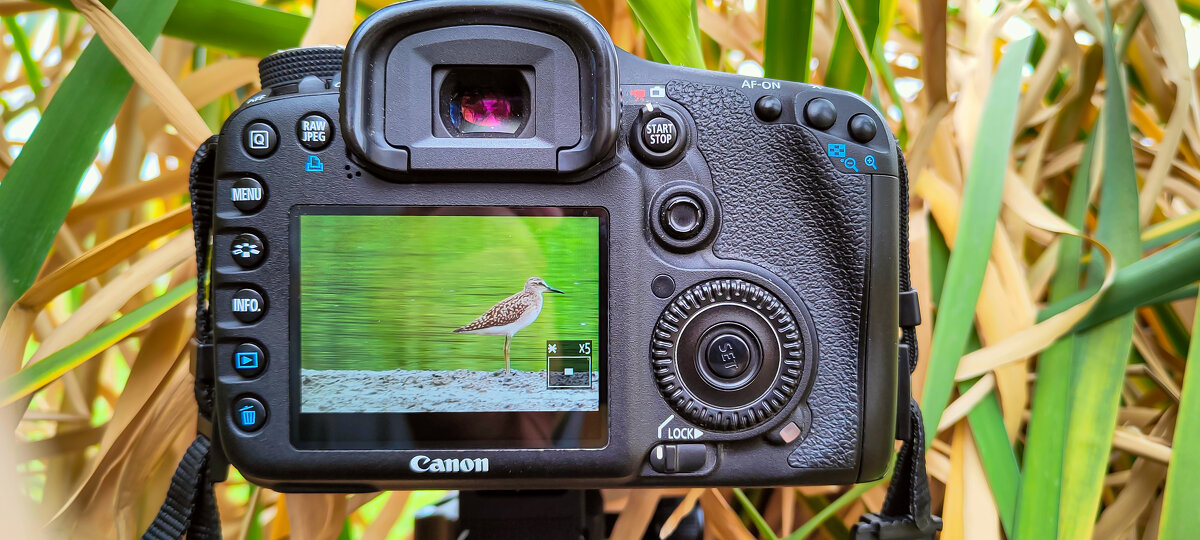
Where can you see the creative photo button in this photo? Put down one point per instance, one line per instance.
(314, 131)
(249, 414)
(247, 194)
(248, 305)
(247, 250)
(249, 360)
(260, 139)
(660, 134)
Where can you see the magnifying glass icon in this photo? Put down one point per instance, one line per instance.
(851, 164)
(870, 162)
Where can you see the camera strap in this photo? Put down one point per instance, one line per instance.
(190, 507)
(906, 512)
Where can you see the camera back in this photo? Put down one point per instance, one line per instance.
(480, 247)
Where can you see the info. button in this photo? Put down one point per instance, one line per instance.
(248, 305)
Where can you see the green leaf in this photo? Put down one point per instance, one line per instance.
(672, 26)
(847, 68)
(38, 190)
(834, 507)
(1101, 353)
(35, 376)
(999, 461)
(33, 73)
(1041, 481)
(764, 530)
(1180, 497)
(231, 25)
(1139, 283)
(787, 43)
(1163, 233)
(973, 240)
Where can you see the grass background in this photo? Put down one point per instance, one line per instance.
(386, 292)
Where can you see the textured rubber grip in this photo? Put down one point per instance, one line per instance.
(292, 65)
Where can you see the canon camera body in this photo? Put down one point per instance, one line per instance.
(480, 247)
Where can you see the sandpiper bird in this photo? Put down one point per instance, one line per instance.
(510, 315)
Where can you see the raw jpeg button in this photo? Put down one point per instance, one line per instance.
(314, 131)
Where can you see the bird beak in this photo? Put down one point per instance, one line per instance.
(553, 290)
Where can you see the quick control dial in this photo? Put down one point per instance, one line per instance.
(727, 354)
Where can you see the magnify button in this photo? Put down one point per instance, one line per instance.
(851, 164)
(870, 162)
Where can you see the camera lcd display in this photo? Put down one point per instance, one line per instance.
(467, 314)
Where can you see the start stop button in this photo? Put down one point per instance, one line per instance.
(660, 134)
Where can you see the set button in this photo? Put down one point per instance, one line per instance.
(248, 305)
(247, 250)
(249, 414)
(314, 131)
(260, 139)
(247, 194)
(249, 360)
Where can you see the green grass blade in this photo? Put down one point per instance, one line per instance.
(1041, 481)
(33, 73)
(673, 27)
(764, 530)
(999, 461)
(231, 25)
(34, 377)
(973, 244)
(1180, 497)
(1141, 282)
(1102, 352)
(847, 68)
(787, 44)
(834, 507)
(1163, 233)
(40, 187)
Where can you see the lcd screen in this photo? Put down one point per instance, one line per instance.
(465, 314)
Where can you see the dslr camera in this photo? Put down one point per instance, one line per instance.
(481, 247)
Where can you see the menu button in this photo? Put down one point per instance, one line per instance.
(247, 194)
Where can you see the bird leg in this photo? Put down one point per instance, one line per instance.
(507, 339)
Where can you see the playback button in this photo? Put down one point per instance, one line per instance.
(249, 360)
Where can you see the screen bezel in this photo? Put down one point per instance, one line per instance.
(373, 431)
